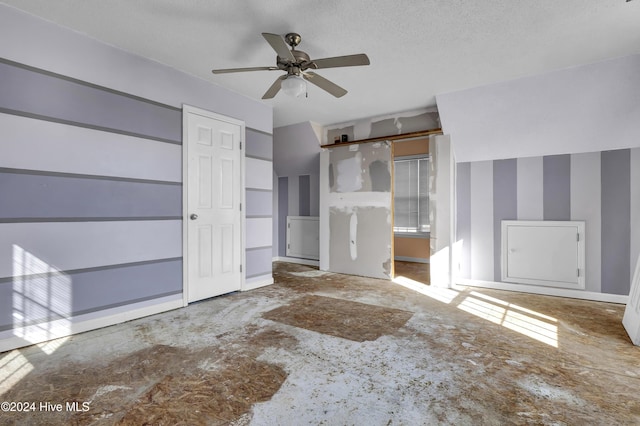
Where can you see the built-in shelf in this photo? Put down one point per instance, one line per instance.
(402, 136)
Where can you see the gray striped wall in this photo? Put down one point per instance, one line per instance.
(600, 188)
(259, 199)
(297, 196)
(91, 198)
(91, 177)
(77, 223)
(62, 99)
(30, 195)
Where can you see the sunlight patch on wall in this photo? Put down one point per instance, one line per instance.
(439, 265)
(41, 299)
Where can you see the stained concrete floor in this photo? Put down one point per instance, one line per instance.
(324, 348)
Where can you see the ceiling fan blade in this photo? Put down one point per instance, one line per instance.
(342, 61)
(229, 70)
(275, 88)
(324, 84)
(280, 46)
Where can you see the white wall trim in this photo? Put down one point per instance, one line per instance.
(185, 202)
(324, 210)
(257, 282)
(308, 262)
(87, 322)
(547, 291)
(412, 259)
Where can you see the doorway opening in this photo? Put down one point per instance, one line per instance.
(411, 227)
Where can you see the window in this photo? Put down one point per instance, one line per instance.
(411, 194)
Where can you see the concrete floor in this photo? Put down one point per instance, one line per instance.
(323, 348)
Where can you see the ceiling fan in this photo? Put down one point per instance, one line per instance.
(297, 64)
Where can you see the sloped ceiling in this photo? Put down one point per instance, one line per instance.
(588, 108)
(418, 48)
(297, 150)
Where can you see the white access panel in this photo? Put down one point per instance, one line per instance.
(303, 237)
(545, 253)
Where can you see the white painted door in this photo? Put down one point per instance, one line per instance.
(213, 217)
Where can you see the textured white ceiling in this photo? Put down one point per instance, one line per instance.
(418, 48)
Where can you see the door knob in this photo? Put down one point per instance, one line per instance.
(193, 216)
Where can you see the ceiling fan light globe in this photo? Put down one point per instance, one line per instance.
(294, 86)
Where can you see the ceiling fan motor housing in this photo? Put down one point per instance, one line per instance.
(302, 62)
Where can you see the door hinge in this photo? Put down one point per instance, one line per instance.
(240, 144)
(240, 206)
(288, 246)
(240, 268)
(578, 272)
(577, 237)
(289, 225)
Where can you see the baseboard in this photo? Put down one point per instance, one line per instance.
(10, 339)
(257, 282)
(411, 259)
(547, 291)
(308, 262)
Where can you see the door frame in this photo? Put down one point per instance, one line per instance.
(186, 110)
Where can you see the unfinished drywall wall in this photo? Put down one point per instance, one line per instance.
(392, 124)
(356, 209)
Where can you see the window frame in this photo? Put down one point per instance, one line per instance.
(412, 234)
